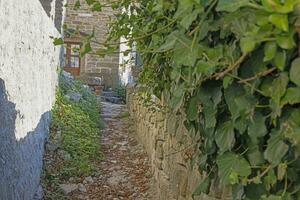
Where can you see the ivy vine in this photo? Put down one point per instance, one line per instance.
(231, 68)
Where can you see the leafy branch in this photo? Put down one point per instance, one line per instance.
(196, 55)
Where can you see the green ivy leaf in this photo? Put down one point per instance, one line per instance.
(276, 148)
(231, 5)
(168, 45)
(57, 41)
(270, 180)
(279, 87)
(102, 52)
(257, 128)
(225, 136)
(247, 44)
(203, 187)
(205, 28)
(280, 21)
(255, 191)
(281, 171)
(295, 72)
(234, 178)
(270, 49)
(245, 104)
(184, 6)
(262, 18)
(192, 109)
(178, 97)
(237, 192)
(183, 53)
(280, 60)
(97, 7)
(291, 129)
(227, 81)
(185, 56)
(204, 67)
(231, 94)
(241, 124)
(286, 41)
(216, 53)
(209, 145)
(85, 49)
(253, 66)
(276, 110)
(230, 163)
(276, 88)
(188, 19)
(210, 115)
(77, 5)
(170, 41)
(176, 74)
(287, 196)
(291, 97)
(276, 6)
(90, 2)
(254, 155)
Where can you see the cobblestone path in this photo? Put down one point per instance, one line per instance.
(125, 170)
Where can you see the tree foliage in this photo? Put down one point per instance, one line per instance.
(231, 67)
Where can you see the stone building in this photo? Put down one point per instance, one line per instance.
(86, 21)
(28, 79)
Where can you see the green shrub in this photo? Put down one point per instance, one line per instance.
(79, 125)
(231, 68)
(121, 92)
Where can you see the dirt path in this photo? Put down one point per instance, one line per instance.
(125, 170)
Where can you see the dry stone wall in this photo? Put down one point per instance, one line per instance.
(28, 71)
(170, 148)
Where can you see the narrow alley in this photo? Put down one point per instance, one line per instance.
(125, 170)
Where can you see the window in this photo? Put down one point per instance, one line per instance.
(72, 58)
(72, 55)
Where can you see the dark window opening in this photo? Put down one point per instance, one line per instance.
(72, 57)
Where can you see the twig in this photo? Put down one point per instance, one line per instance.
(176, 152)
(260, 74)
(262, 174)
(246, 83)
(77, 34)
(230, 68)
(285, 185)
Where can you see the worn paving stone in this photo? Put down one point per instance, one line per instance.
(125, 169)
(68, 188)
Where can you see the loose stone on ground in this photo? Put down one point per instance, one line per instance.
(68, 188)
(125, 170)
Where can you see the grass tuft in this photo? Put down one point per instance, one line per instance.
(76, 128)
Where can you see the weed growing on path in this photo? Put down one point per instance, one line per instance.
(75, 131)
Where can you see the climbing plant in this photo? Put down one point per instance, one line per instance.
(231, 68)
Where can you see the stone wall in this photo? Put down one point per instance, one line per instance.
(86, 21)
(170, 149)
(28, 65)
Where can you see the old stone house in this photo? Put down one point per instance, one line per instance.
(86, 21)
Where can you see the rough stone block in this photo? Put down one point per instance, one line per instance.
(166, 140)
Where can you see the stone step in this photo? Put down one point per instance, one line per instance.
(115, 100)
(109, 94)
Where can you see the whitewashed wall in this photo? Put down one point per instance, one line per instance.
(28, 78)
(125, 64)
